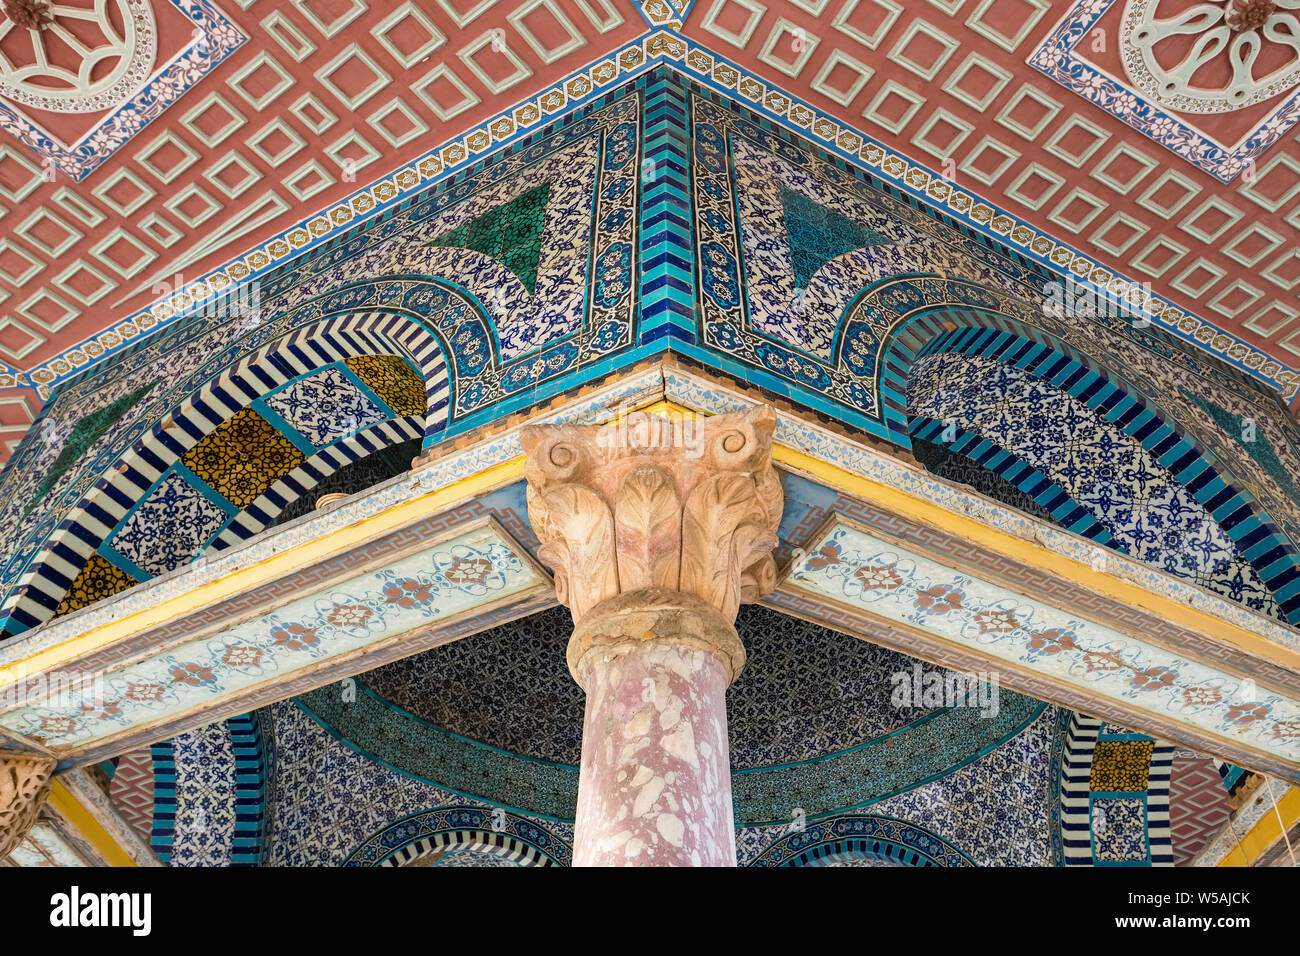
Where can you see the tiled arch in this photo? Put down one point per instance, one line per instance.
(521, 840)
(1252, 530)
(1046, 494)
(1114, 795)
(862, 837)
(1130, 488)
(269, 506)
(369, 355)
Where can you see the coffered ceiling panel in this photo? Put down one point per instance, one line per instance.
(254, 116)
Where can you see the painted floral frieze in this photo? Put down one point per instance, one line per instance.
(452, 577)
(850, 566)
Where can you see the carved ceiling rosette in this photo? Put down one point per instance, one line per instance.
(25, 781)
(1211, 57)
(75, 59)
(656, 528)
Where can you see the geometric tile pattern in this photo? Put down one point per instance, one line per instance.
(1121, 765)
(319, 821)
(1119, 828)
(394, 381)
(1140, 503)
(1198, 806)
(132, 792)
(169, 527)
(240, 458)
(325, 407)
(99, 579)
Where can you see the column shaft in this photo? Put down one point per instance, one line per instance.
(655, 786)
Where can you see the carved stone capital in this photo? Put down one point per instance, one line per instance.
(25, 781)
(656, 528)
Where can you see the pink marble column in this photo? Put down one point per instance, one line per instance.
(655, 785)
(657, 531)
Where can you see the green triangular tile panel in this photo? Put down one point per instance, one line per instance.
(84, 434)
(511, 233)
(817, 234)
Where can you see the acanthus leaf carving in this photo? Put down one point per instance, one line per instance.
(648, 522)
(722, 535)
(657, 521)
(25, 782)
(577, 531)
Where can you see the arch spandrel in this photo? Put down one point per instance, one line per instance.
(502, 326)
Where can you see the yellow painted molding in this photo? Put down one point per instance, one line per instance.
(1026, 552)
(72, 809)
(278, 565)
(293, 558)
(1267, 831)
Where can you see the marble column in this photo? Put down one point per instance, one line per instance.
(657, 531)
(25, 781)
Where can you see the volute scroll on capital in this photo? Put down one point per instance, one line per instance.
(649, 504)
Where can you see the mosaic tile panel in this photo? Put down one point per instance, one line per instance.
(325, 406)
(99, 579)
(511, 234)
(992, 811)
(169, 527)
(819, 705)
(205, 807)
(1121, 765)
(1143, 506)
(241, 457)
(805, 692)
(1119, 829)
(318, 821)
(84, 433)
(392, 380)
(818, 234)
(996, 809)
